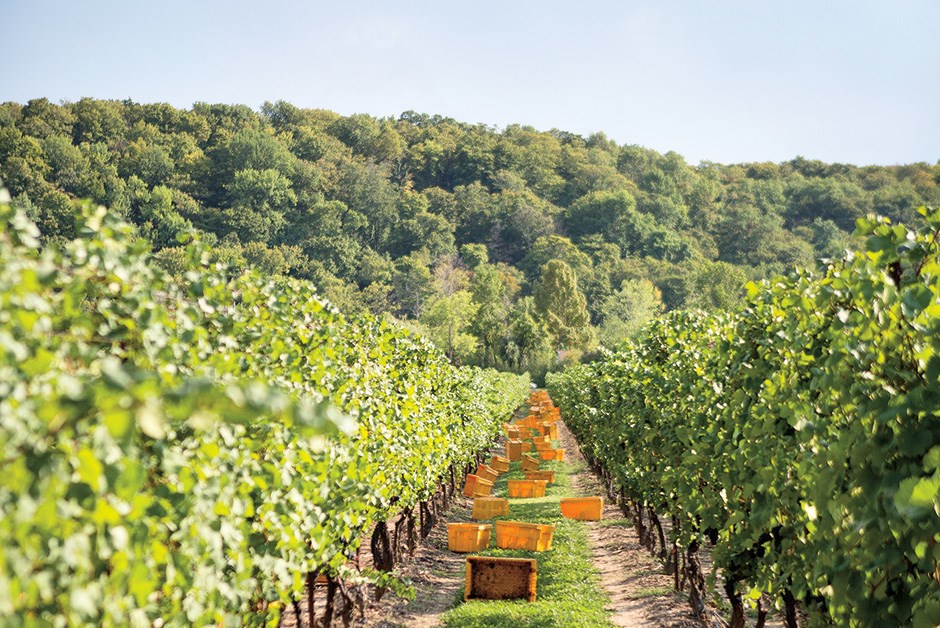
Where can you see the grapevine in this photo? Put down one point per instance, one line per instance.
(193, 448)
(799, 435)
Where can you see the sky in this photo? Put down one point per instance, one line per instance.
(713, 80)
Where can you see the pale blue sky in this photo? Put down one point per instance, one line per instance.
(728, 81)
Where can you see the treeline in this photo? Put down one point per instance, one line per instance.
(447, 224)
(796, 435)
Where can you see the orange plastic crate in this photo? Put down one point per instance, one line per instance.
(526, 488)
(489, 507)
(530, 462)
(534, 537)
(547, 475)
(487, 473)
(514, 450)
(468, 537)
(483, 488)
(500, 463)
(476, 486)
(490, 578)
(552, 454)
(582, 508)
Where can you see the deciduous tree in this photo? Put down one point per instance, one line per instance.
(562, 306)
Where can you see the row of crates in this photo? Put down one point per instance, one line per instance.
(510, 578)
(529, 442)
(473, 537)
(540, 427)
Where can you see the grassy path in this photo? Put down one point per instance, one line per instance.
(595, 575)
(569, 590)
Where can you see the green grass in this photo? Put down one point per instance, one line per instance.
(568, 590)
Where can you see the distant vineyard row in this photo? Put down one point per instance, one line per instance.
(195, 451)
(799, 435)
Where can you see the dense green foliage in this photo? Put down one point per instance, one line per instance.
(187, 449)
(800, 433)
(398, 215)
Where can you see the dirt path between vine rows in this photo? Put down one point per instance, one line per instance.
(641, 594)
(436, 574)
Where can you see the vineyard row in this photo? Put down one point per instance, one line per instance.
(198, 449)
(798, 437)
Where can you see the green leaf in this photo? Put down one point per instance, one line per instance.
(89, 468)
(917, 495)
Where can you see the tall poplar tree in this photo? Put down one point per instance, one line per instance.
(563, 306)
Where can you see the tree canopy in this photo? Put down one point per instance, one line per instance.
(371, 209)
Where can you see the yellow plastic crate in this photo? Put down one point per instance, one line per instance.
(500, 463)
(526, 488)
(547, 475)
(468, 537)
(530, 462)
(490, 578)
(552, 454)
(487, 473)
(514, 450)
(489, 507)
(534, 537)
(582, 508)
(476, 486)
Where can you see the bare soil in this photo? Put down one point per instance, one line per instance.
(436, 574)
(640, 592)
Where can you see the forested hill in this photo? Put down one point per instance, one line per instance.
(445, 223)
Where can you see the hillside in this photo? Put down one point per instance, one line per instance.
(444, 224)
